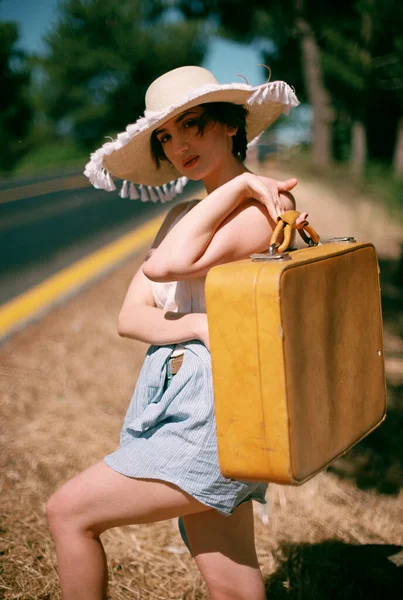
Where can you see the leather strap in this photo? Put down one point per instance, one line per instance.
(287, 223)
(176, 363)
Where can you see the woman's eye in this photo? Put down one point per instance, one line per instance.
(164, 138)
(190, 123)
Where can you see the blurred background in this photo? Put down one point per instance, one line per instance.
(74, 72)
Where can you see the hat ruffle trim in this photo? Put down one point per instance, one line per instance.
(277, 91)
(147, 193)
(100, 178)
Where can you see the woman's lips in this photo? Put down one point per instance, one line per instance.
(190, 161)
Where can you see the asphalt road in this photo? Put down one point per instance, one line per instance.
(42, 234)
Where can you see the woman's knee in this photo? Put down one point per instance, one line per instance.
(62, 509)
(226, 580)
(225, 589)
(56, 511)
(224, 551)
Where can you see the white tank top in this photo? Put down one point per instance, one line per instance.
(180, 296)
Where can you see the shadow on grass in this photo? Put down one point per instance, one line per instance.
(391, 276)
(377, 461)
(334, 570)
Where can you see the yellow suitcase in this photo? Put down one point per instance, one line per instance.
(297, 356)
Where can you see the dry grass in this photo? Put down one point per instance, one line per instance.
(65, 382)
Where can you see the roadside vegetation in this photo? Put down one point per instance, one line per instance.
(346, 64)
(375, 183)
(65, 383)
(49, 157)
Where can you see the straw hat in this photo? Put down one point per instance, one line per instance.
(129, 156)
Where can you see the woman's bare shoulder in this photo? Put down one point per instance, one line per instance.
(246, 230)
(171, 216)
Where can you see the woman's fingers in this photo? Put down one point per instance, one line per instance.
(267, 191)
(276, 188)
(283, 203)
(273, 203)
(286, 186)
(302, 217)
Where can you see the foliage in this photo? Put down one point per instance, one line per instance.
(47, 156)
(361, 50)
(15, 109)
(102, 55)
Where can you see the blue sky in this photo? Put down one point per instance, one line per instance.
(224, 58)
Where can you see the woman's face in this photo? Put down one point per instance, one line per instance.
(196, 155)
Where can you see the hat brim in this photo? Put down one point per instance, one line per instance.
(129, 157)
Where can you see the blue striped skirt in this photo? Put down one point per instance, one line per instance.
(169, 431)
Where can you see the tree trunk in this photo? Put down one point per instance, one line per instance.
(398, 155)
(318, 96)
(358, 154)
(358, 148)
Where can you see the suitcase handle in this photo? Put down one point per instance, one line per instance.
(287, 223)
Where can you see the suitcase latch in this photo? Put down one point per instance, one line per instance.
(339, 240)
(266, 256)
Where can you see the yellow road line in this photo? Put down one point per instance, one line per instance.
(22, 308)
(39, 188)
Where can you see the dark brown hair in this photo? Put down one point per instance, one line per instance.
(225, 113)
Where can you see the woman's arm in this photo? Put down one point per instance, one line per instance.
(140, 319)
(227, 225)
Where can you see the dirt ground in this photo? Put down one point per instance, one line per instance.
(65, 382)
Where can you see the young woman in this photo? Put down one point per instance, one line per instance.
(166, 465)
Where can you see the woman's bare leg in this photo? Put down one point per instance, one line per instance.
(94, 501)
(224, 550)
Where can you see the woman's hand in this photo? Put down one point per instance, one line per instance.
(267, 191)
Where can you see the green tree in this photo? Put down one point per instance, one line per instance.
(291, 28)
(363, 72)
(15, 107)
(397, 85)
(101, 57)
(342, 58)
(387, 80)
